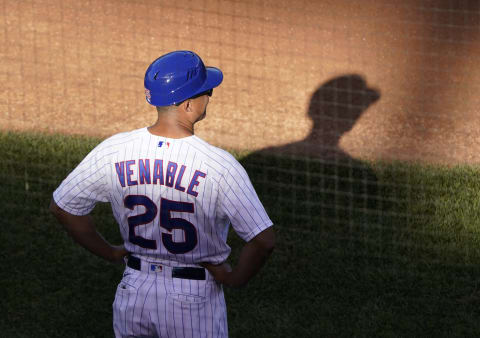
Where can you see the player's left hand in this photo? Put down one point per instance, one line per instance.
(221, 272)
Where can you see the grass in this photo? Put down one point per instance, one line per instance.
(363, 249)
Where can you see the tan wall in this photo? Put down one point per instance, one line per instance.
(78, 66)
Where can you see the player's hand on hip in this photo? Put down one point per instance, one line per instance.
(118, 253)
(221, 272)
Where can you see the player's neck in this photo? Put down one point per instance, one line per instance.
(171, 128)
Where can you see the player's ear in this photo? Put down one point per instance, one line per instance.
(183, 106)
(188, 105)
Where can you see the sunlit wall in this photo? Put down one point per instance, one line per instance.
(77, 67)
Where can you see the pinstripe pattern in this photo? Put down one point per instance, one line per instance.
(207, 177)
(156, 305)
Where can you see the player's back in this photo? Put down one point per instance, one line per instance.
(165, 195)
(172, 198)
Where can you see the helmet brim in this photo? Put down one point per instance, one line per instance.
(213, 79)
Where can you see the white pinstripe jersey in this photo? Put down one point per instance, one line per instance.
(173, 199)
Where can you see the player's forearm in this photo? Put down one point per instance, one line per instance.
(82, 230)
(89, 238)
(252, 258)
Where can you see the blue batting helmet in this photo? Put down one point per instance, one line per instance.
(177, 76)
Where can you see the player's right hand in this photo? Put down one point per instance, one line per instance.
(118, 253)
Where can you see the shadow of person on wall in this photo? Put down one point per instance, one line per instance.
(334, 109)
(324, 206)
(314, 182)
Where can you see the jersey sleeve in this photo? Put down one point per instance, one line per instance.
(240, 203)
(84, 186)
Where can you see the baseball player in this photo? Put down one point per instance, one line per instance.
(174, 197)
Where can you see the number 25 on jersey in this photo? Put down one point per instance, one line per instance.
(166, 222)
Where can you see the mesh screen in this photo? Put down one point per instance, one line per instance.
(355, 120)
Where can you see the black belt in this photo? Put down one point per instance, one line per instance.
(177, 272)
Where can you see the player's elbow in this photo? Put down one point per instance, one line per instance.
(56, 211)
(266, 239)
(270, 245)
(54, 208)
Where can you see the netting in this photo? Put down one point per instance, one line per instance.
(355, 120)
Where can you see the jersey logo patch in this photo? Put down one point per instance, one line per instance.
(156, 268)
(160, 144)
